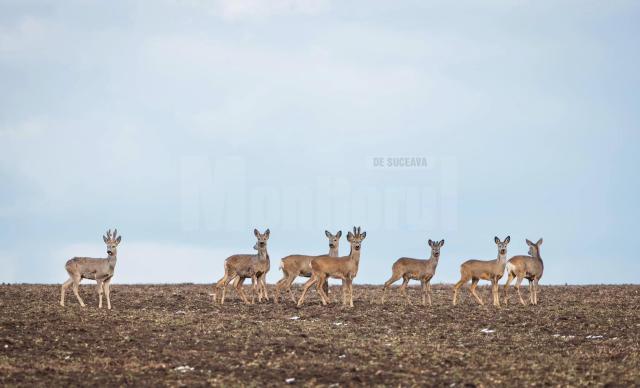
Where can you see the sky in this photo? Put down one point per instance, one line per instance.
(187, 124)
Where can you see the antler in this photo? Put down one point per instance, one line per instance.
(109, 234)
(115, 233)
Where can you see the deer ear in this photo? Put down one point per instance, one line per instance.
(267, 232)
(496, 239)
(539, 242)
(349, 236)
(104, 238)
(363, 235)
(326, 233)
(256, 233)
(339, 234)
(118, 239)
(528, 241)
(442, 242)
(506, 240)
(430, 243)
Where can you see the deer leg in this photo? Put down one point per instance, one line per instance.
(429, 291)
(99, 282)
(472, 288)
(217, 286)
(289, 283)
(263, 281)
(320, 288)
(456, 288)
(325, 288)
(65, 285)
(496, 292)
(306, 287)
(518, 282)
(76, 285)
(535, 290)
(531, 291)
(107, 292)
(505, 289)
(224, 286)
(350, 284)
(238, 282)
(403, 290)
(394, 278)
(423, 291)
(255, 286)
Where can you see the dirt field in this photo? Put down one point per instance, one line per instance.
(156, 334)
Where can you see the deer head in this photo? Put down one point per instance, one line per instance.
(334, 240)
(502, 246)
(355, 238)
(262, 239)
(534, 249)
(435, 247)
(112, 241)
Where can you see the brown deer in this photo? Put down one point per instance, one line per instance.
(243, 266)
(345, 268)
(529, 267)
(423, 270)
(100, 270)
(486, 270)
(300, 265)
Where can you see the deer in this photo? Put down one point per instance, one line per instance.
(417, 269)
(242, 266)
(293, 266)
(101, 270)
(529, 267)
(486, 270)
(345, 268)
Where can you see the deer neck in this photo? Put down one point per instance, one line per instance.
(502, 260)
(262, 254)
(333, 252)
(354, 256)
(537, 256)
(433, 259)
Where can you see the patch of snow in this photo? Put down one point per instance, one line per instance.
(595, 336)
(564, 337)
(181, 312)
(338, 323)
(295, 318)
(290, 380)
(487, 331)
(183, 368)
(342, 356)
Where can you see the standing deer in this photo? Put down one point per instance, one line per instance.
(529, 267)
(243, 266)
(345, 268)
(300, 265)
(486, 270)
(100, 270)
(423, 270)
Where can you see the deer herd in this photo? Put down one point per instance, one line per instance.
(318, 270)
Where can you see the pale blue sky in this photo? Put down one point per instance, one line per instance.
(142, 115)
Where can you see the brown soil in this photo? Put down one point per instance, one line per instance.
(154, 330)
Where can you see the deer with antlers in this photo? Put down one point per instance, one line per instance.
(529, 267)
(100, 270)
(423, 270)
(243, 266)
(293, 266)
(345, 268)
(486, 270)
